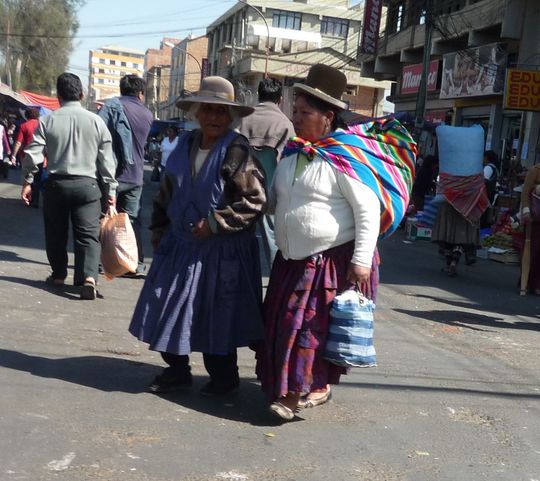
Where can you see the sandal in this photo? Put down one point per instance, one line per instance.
(281, 411)
(88, 290)
(305, 402)
(51, 281)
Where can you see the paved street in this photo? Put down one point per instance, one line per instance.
(456, 395)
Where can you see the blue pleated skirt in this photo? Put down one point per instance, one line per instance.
(202, 296)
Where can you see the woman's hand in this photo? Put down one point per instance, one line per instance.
(202, 230)
(360, 274)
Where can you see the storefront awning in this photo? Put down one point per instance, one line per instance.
(50, 103)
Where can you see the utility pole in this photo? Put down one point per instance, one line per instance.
(422, 90)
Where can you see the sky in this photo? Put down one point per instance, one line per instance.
(141, 24)
(138, 24)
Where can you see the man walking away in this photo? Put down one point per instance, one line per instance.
(79, 155)
(268, 129)
(129, 122)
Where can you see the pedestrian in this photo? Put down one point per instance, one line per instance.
(462, 194)
(331, 195)
(5, 151)
(129, 122)
(79, 155)
(491, 174)
(425, 181)
(24, 135)
(168, 144)
(530, 217)
(203, 291)
(268, 129)
(22, 140)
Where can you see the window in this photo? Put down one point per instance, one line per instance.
(335, 27)
(101, 70)
(101, 60)
(284, 19)
(135, 65)
(100, 81)
(123, 64)
(113, 62)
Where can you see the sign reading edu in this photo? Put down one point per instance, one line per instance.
(522, 90)
(412, 74)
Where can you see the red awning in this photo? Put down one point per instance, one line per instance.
(50, 103)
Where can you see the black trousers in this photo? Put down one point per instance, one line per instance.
(223, 369)
(74, 198)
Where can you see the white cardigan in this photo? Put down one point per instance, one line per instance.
(322, 208)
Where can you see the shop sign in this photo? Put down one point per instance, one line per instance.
(436, 116)
(412, 74)
(370, 30)
(522, 90)
(474, 72)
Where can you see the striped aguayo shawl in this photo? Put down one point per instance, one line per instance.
(380, 154)
(466, 194)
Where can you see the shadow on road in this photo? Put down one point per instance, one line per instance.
(11, 256)
(112, 374)
(66, 291)
(510, 309)
(468, 320)
(445, 389)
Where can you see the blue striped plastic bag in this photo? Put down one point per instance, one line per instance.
(350, 334)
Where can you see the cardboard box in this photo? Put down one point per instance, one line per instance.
(413, 231)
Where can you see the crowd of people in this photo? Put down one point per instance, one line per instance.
(322, 193)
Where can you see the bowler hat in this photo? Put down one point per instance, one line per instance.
(326, 83)
(214, 90)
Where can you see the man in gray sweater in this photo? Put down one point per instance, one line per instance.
(79, 155)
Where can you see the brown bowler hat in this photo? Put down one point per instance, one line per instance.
(326, 83)
(214, 90)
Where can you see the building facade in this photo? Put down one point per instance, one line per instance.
(189, 63)
(283, 39)
(157, 74)
(473, 45)
(107, 65)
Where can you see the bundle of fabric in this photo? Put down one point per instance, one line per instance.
(467, 194)
(381, 154)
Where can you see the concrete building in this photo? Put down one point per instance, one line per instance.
(107, 65)
(292, 36)
(189, 63)
(474, 43)
(157, 73)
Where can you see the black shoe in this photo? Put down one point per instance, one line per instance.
(213, 389)
(169, 381)
(138, 274)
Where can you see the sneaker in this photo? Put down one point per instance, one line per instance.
(169, 381)
(212, 389)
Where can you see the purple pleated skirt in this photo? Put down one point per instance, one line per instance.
(296, 315)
